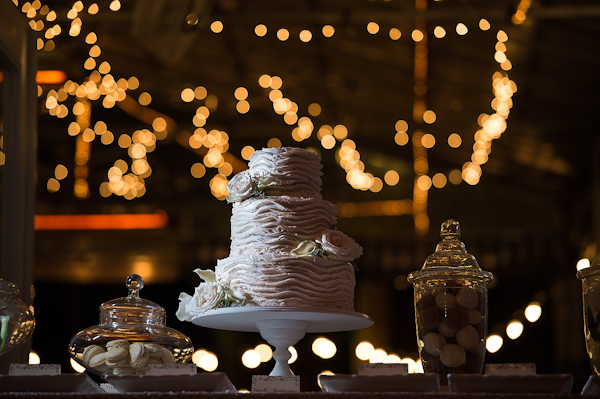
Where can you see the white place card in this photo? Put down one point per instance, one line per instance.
(108, 388)
(171, 369)
(274, 384)
(510, 369)
(382, 368)
(33, 369)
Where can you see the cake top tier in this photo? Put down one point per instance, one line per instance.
(278, 171)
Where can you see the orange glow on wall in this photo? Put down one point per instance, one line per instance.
(50, 77)
(145, 221)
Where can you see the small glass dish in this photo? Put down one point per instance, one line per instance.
(132, 334)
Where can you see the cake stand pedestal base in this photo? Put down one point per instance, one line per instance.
(282, 334)
(282, 327)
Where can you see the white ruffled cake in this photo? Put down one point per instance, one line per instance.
(285, 250)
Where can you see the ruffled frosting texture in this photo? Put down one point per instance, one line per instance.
(278, 224)
(296, 172)
(290, 281)
(285, 249)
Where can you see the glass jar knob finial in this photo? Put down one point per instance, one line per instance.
(450, 229)
(134, 284)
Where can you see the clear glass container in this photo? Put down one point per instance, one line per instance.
(450, 294)
(590, 280)
(16, 319)
(132, 334)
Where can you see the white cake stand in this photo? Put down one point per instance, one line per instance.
(282, 327)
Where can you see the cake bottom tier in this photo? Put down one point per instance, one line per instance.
(290, 281)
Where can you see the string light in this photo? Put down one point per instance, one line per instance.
(107, 89)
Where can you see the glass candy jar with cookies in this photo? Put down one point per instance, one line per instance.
(132, 335)
(450, 294)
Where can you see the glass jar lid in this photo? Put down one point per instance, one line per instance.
(132, 309)
(7, 288)
(450, 257)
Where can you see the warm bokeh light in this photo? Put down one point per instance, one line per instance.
(439, 180)
(251, 359)
(76, 366)
(583, 263)
(283, 34)
(494, 343)
(533, 312)
(514, 329)
(378, 356)
(364, 350)
(439, 32)
(417, 35)
(484, 24)
(428, 140)
(260, 30)
(305, 36)
(393, 358)
(34, 358)
(391, 178)
(324, 348)
(216, 27)
(429, 117)
(247, 151)
(328, 31)
(274, 143)
(60, 172)
(187, 95)
(461, 29)
(454, 140)
(208, 362)
(401, 138)
(264, 351)
(413, 366)
(372, 27)
(294, 354)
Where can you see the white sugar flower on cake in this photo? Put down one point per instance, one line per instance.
(245, 185)
(338, 245)
(210, 294)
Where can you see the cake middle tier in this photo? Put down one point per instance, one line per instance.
(278, 224)
(290, 281)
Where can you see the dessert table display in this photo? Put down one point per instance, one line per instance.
(16, 320)
(131, 336)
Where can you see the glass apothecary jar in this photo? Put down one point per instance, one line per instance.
(16, 319)
(132, 334)
(590, 280)
(450, 293)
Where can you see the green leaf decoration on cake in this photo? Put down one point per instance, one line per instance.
(245, 185)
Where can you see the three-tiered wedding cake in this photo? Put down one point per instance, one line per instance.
(285, 250)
